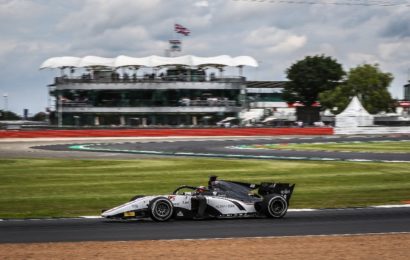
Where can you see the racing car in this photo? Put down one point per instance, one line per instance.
(221, 199)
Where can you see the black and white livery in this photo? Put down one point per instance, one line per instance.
(221, 199)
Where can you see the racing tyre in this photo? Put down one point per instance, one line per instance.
(274, 206)
(161, 209)
(137, 197)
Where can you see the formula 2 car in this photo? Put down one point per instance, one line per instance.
(221, 199)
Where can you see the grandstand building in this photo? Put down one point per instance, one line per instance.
(155, 91)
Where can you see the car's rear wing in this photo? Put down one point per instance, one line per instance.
(284, 189)
(265, 188)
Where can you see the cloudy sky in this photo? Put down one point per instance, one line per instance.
(275, 34)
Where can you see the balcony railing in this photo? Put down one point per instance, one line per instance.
(150, 103)
(148, 78)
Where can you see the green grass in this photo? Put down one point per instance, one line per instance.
(372, 147)
(63, 188)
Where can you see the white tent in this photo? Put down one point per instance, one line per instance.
(354, 115)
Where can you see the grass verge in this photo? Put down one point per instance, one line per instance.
(370, 147)
(65, 188)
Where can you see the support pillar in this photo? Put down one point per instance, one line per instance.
(96, 121)
(60, 110)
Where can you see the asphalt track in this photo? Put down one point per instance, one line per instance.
(322, 222)
(232, 148)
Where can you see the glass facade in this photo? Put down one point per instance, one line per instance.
(148, 98)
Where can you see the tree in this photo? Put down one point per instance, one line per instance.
(367, 82)
(40, 116)
(311, 76)
(8, 115)
(336, 100)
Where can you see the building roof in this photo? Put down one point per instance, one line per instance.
(150, 61)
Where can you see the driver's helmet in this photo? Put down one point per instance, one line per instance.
(200, 189)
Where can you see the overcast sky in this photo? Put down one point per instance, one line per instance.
(275, 34)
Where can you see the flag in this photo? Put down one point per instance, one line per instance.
(181, 29)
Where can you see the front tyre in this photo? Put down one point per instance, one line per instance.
(274, 206)
(161, 209)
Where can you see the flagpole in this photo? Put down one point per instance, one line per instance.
(171, 52)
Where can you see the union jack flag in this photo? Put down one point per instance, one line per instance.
(181, 29)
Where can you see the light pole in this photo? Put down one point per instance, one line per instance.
(5, 95)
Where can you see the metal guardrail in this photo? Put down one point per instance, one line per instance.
(156, 79)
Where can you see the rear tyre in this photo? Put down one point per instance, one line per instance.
(274, 206)
(161, 209)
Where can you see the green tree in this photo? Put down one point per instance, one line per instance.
(311, 76)
(335, 100)
(367, 82)
(40, 116)
(8, 115)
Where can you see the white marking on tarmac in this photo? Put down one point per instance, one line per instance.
(302, 210)
(392, 206)
(359, 160)
(394, 161)
(185, 153)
